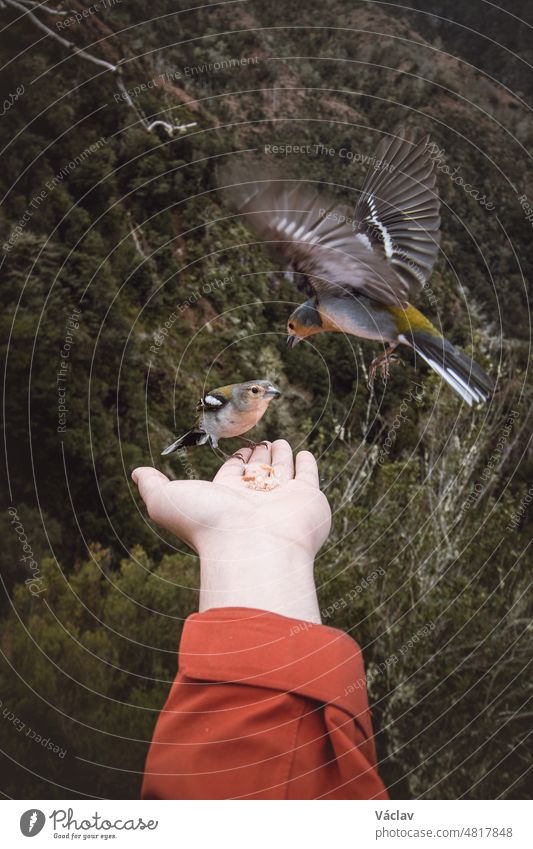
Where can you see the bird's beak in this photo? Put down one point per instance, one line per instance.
(293, 340)
(272, 392)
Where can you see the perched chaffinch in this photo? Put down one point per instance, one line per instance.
(227, 412)
(362, 267)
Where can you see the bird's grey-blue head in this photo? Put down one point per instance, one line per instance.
(304, 321)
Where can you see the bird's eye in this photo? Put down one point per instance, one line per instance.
(255, 389)
(291, 325)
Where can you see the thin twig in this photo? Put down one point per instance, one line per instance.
(26, 6)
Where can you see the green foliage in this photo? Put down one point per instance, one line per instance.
(98, 646)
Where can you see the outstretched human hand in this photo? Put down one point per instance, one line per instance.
(256, 548)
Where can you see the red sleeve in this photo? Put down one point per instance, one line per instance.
(264, 707)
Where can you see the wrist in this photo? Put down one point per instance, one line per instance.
(262, 572)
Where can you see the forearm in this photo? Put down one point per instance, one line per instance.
(262, 575)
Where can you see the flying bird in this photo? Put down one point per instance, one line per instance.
(227, 412)
(363, 267)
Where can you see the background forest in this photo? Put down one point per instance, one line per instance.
(124, 295)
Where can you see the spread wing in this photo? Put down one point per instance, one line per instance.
(385, 251)
(398, 209)
(317, 239)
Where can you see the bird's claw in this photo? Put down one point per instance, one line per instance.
(383, 363)
(251, 444)
(218, 450)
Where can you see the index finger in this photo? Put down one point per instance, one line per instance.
(233, 468)
(307, 469)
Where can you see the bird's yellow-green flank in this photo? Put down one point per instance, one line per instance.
(410, 319)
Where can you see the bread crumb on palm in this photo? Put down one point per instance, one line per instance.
(260, 476)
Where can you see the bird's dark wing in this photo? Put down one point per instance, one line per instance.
(317, 239)
(398, 209)
(213, 400)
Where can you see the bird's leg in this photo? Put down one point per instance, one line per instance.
(383, 363)
(225, 457)
(220, 453)
(218, 450)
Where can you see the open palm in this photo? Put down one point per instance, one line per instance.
(224, 514)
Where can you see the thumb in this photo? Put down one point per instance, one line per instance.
(150, 482)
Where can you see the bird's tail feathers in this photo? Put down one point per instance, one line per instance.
(458, 370)
(192, 437)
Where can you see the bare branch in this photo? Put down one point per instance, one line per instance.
(16, 4)
(26, 6)
(170, 128)
(33, 4)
